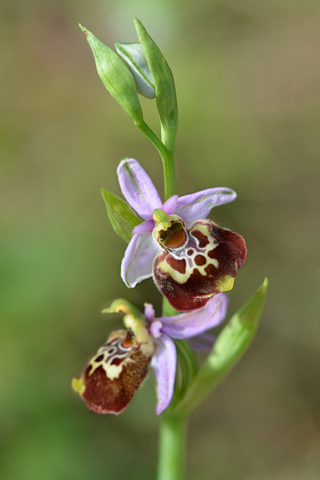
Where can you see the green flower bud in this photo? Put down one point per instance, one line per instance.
(133, 55)
(116, 77)
(164, 86)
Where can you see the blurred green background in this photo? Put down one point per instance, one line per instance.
(248, 81)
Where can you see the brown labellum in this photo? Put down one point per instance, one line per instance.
(190, 272)
(114, 374)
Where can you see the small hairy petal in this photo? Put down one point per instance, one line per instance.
(156, 329)
(198, 205)
(163, 364)
(138, 258)
(145, 227)
(137, 188)
(170, 205)
(193, 323)
(149, 311)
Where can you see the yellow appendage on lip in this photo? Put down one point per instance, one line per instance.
(78, 385)
(226, 284)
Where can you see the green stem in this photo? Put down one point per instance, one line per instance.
(168, 161)
(173, 426)
(170, 175)
(171, 446)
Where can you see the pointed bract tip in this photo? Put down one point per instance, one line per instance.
(104, 193)
(137, 24)
(264, 287)
(85, 31)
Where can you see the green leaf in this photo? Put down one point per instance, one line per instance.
(231, 344)
(164, 85)
(116, 77)
(123, 219)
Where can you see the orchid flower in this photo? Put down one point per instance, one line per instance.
(190, 259)
(113, 375)
(184, 325)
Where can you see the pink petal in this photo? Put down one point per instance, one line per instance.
(144, 227)
(137, 188)
(164, 363)
(193, 323)
(138, 258)
(198, 205)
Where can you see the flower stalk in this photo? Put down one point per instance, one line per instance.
(172, 437)
(173, 427)
(168, 161)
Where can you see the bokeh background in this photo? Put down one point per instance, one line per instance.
(248, 81)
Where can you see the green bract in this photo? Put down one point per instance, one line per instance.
(116, 77)
(133, 55)
(164, 85)
(231, 344)
(122, 218)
